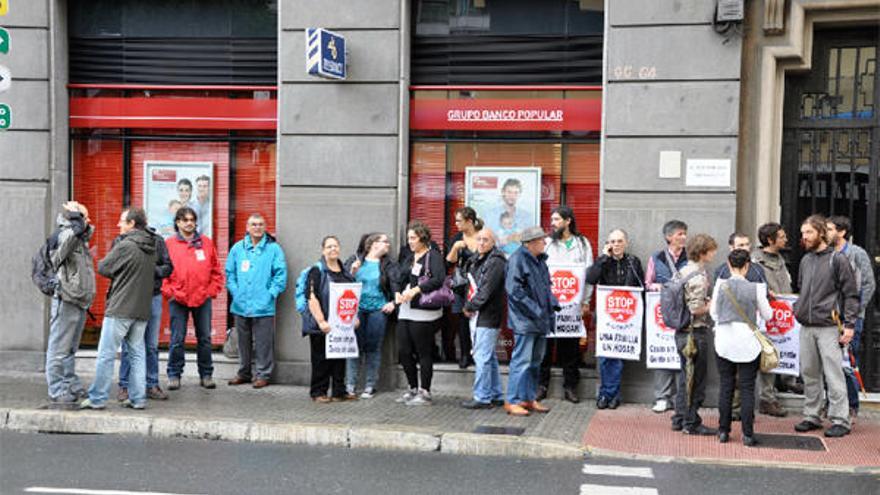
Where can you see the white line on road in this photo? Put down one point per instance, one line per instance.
(587, 489)
(635, 472)
(83, 491)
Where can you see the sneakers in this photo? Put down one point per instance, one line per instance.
(173, 383)
(805, 426)
(368, 393)
(156, 393)
(836, 431)
(87, 404)
(602, 403)
(122, 394)
(422, 398)
(131, 405)
(407, 396)
(772, 409)
(206, 382)
(661, 405)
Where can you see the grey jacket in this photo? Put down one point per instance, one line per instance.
(864, 272)
(72, 260)
(775, 272)
(130, 266)
(827, 283)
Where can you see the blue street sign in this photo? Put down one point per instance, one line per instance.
(325, 53)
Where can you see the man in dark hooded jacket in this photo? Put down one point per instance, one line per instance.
(130, 266)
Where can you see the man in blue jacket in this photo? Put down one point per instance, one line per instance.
(531, 309)
(256, 273)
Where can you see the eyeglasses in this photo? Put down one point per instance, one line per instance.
(188, 220)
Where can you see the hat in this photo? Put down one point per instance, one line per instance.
(532, 233)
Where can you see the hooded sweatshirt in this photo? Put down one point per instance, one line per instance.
(130, 265)
(72, 260)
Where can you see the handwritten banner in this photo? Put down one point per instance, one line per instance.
(619, 313)
(344, 300)
(659, 339)
(568, 287)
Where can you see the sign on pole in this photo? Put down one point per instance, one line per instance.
(4, 40)
(567, 284)
(5, 116)
(343, 308)
(325, 53)
(659, 339)
(619, 313)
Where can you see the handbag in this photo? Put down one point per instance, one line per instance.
(769, 354)
(438, 298)
(458, 281)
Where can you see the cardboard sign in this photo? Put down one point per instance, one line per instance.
(567, 284)
(619, 313)
(659, 339)
(785, 333)
(341, 342)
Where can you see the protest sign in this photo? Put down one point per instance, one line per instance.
(567, 284)
(784, 331)
(619, 313)
(659, 339)
(341, 341)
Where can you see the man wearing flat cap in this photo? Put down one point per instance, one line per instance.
(531, 309)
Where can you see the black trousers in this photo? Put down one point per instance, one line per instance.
(325, 371)
(464, 337)
(730, 374)
(415, 344)
(568, 357)
(688, 416)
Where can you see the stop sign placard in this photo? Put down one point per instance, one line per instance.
(658, 318)
(620, 305)
(565, 286)
(347, 306)
(783, 318)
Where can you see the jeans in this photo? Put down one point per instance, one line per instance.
(687, 415)
(610, 371)
(568, 356)
(370, 335)
(852, 383)
(202, 321)
(151, 342)
(256, 333)
(65, 330)
(487, 379)
(730, 374)
(821, 357)
(525, 367)
(113, 332)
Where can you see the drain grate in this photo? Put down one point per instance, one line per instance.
(790, 442)
(499, 430)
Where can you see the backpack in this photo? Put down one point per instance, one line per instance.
(302, 305)
(672, 304)
(42, 272)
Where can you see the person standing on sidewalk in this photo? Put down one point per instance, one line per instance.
(486, 304)
(531, 308)
(462, 247)
(131, 266)
(195, 281)
(701, 250)
(839, 229)
(773, 240)
(378, 274)
(256, 274)
(151, 334)
(618, 268)
(566, 246)
(422, 271)
(735, 301)
(72, 263)
(661, 267)
(828, 286)
(325, 372)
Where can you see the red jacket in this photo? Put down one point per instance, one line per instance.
(197, 275)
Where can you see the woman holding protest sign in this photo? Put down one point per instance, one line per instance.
(324, 371)
(461, 248)
(422, 273)
(614, 267)
(378, 274)
(735, 302)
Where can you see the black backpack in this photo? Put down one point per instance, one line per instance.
(42, 272)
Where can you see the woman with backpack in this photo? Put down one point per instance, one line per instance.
(373, 268)
(735, 301)
(315, 324)
(462, 247)
(422, 272)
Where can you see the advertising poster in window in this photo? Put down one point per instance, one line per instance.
(168, 186)
(508, 199)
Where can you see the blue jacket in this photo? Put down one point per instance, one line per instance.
(255, 276)
(531, 306)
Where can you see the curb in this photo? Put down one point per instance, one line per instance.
(613, 454)
(386, 437)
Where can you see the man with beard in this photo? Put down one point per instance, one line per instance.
(827, 285)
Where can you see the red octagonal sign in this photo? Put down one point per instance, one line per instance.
(347, 306)
(783, 318)
(620, 305)
(565, 286)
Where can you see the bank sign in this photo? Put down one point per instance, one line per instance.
(325, 53)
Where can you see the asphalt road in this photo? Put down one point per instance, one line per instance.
(120, 465)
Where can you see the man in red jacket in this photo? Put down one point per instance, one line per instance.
(196, 280)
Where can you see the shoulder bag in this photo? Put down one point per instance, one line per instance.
(438, 298)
